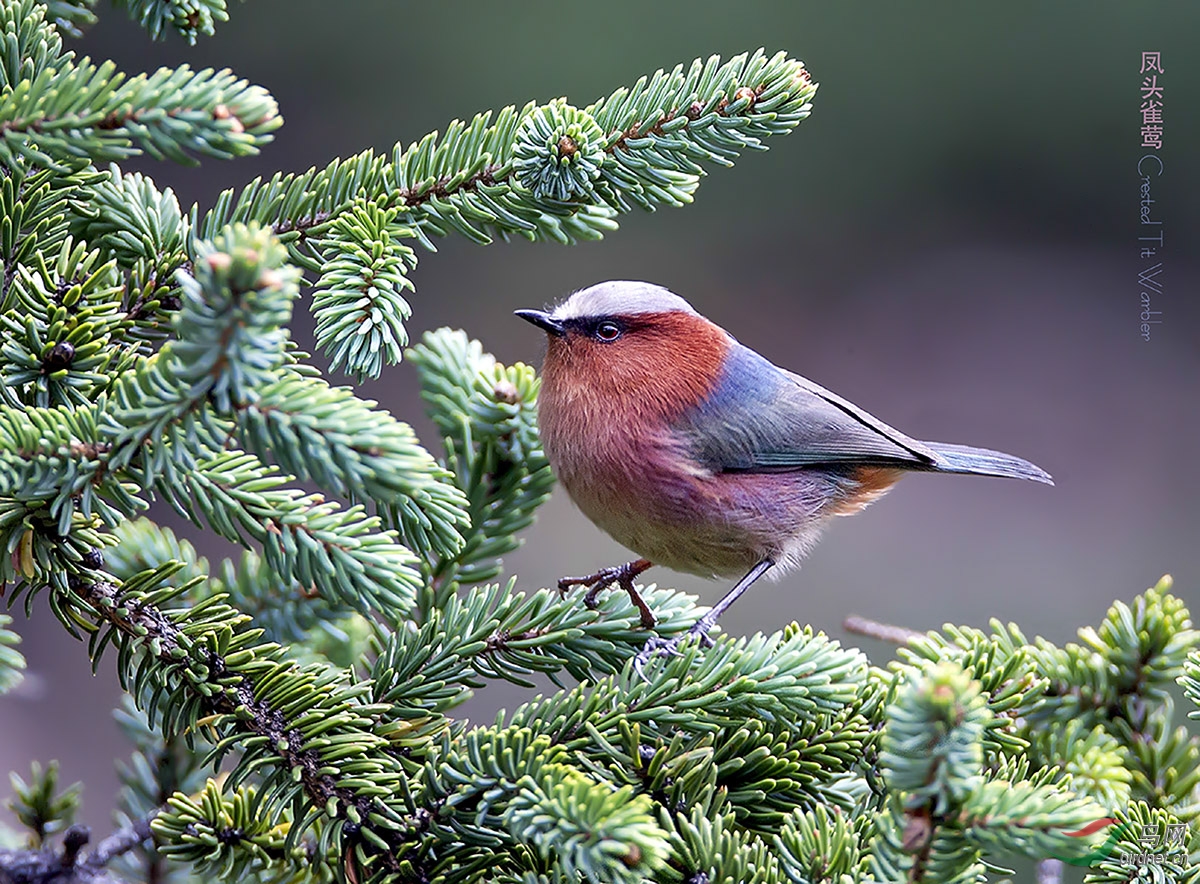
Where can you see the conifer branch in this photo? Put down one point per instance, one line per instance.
(352, 448)
(11, 661)
(219, 685)
(68, 112)
(550, 172)
(72, 16)
(486, 415)
(189, 18)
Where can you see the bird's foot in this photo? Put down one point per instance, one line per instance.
(622, 575)
(596, 583)
(662, 647)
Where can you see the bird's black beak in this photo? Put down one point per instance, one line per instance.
(543, 320)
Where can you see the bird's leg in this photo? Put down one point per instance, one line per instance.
(622, 575)
(666, 648)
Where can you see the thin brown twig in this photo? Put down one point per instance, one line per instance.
(120, 841)
(897, 635)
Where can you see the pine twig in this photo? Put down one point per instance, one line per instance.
(897, 635)
(120, 842)
(69, 865)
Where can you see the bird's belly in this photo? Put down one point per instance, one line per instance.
(695, 547)
(702, 523)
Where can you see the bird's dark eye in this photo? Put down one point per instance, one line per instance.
(608, 331)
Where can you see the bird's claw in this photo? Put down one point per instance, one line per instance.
(565, 583)
(656, 647)
(662, 647)
(622, 576)
(596, 584)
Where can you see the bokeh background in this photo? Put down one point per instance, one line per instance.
(950, 240)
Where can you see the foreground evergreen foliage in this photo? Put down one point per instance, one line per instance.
(292, 711)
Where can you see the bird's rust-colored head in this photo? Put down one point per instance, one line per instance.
(629, 350)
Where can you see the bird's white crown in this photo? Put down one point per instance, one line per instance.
(620, 297)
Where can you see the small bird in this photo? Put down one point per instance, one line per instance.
(699, 454)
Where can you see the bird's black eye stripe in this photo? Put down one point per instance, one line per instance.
(604, 328)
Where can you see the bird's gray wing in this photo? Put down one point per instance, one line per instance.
(760, 417)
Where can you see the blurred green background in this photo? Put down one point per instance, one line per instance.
(950, 241)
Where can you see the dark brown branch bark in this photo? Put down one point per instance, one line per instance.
(69, 864)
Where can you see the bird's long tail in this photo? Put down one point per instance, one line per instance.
(984, 462)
